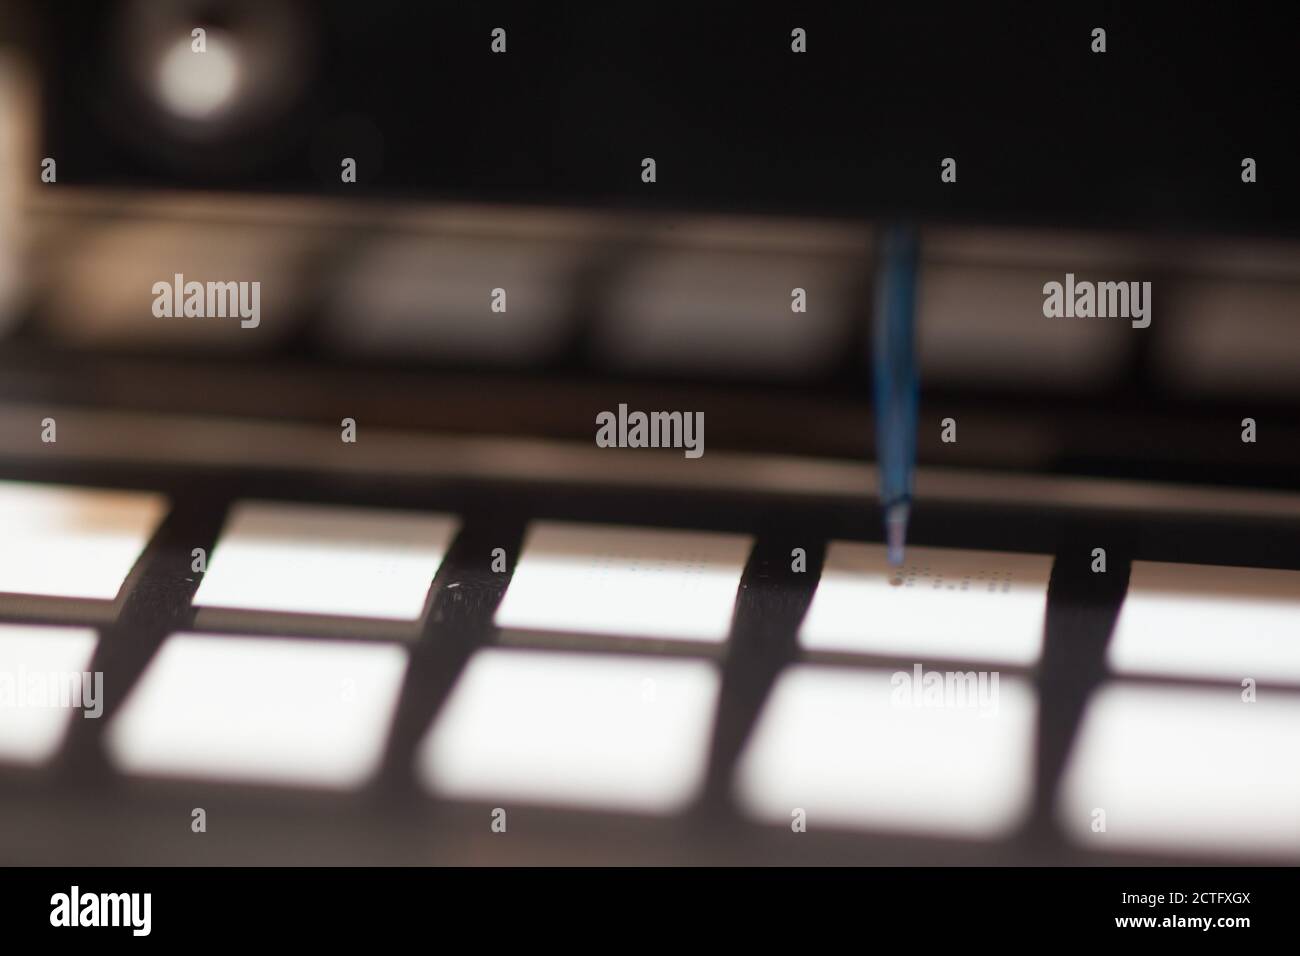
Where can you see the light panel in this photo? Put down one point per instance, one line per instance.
(68, 542)
(315, 559)
(943, 603)
(626, 581)
(44, 679)
(864, 749)
(1184, 770)
(261, 710)
(586, 730)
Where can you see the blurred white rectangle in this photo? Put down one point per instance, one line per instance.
(978, 324)
(626, 582)
(261, 710)
(697, 305)
(943, 603)
(325, 559)
(867, 749)
(68, 542)
(588, 730)
(42, 669)
(1234, 336)
(1200, 620)
(1184, 770)
(432, 296)
(101, 288)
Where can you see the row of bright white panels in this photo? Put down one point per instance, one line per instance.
(1170, 768)
(1178, 620)
(1175, 769)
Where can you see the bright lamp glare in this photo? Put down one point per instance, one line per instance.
(199, 85)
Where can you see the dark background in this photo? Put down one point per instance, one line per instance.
(1143, 142)
(1149, 135)
(1147, 138)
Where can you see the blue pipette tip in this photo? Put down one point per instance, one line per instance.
(896, 531)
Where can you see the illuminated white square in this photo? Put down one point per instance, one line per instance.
(261, 710)
(45, 681)
(66, 542)
(959, 605)
(589, 730)
(1198, 620)
(314, 559)
(1179, 770)
(870, 749)
(625, 581)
